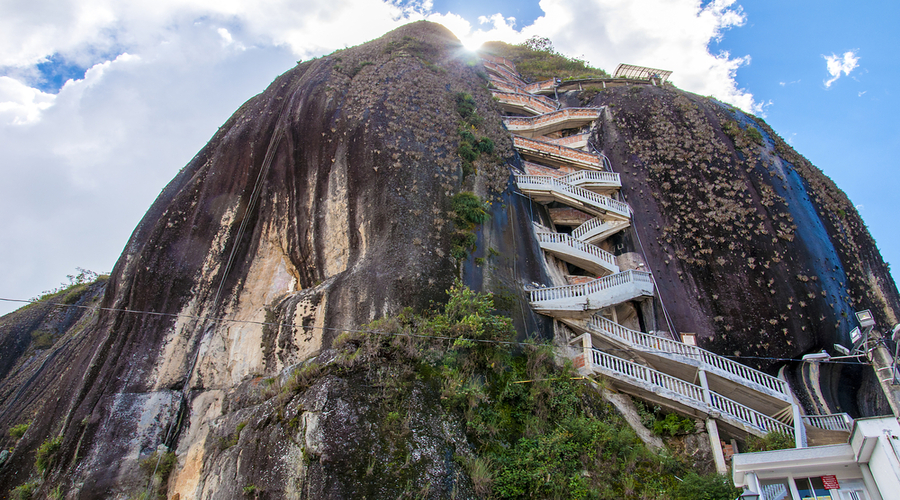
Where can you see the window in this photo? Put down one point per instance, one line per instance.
(775, 489)
(811, 488)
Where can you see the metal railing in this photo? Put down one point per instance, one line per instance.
(591, 198)
(748, 415)
(585, 230)
(592, 176)
(834, 422)
(775, 491)
(691, 394)
(648, 376)
(700, 356)
(605, 258)
(591, 287)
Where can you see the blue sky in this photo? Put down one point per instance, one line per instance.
(103, 101)
(847, 129)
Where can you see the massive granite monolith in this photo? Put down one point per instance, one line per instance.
(326, 202)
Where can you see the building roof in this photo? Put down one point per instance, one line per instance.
(797, 460)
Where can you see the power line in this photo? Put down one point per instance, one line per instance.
(386, 333)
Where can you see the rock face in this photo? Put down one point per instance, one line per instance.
(326, 202)
(323, 203)
(753, 248)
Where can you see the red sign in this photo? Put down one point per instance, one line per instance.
(830, 483)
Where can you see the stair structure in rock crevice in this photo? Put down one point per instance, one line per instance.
(582, 193)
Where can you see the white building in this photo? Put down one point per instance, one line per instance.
(866, 468)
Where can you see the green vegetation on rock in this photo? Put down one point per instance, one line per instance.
(24, 491)
(17, 431)
(709, 487)
(535, 429)
(45, 456)
(468, 212)
(769, 442)
(537, 60)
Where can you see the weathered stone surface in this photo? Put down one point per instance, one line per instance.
(324, 203)
(752, 247)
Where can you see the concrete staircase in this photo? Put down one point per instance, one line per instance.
(561, 170)
(584, 299)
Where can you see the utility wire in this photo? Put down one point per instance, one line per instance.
(395, 334)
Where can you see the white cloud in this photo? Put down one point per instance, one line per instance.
(665, 34)
(840, 64)
(21, 104)
(499, 28)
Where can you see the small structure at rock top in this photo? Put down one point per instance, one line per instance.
(641, 72)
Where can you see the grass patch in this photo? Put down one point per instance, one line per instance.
(537, 60)
(673, 425)
(708, 487)
(469, 211)
(17, 431)
(157, 468)
(534, 429)
(24, 491)
(770, 442)
(233, 438)
(465, 108)
(42, 339)
(45, 456)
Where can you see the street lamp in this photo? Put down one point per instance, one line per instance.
(748, 495)
(817, 357)
(865, 318)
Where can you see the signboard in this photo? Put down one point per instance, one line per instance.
(831, 483)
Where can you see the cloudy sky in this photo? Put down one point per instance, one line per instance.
(103, 101)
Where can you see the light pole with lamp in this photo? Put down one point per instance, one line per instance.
(869, 342)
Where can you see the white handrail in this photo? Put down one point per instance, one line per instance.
(693, 393)
(593, 286)
(748, 415)
(583, 195)
(648, 375)
(587, 227)
(595, 251)
(701, 356)
(834, 422)
(583, 176)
